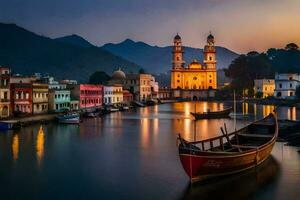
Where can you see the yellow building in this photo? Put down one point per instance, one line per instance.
(264, 87)
(194, 76)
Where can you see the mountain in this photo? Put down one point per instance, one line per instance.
(156, 59)
(74, 39)
(26, 52)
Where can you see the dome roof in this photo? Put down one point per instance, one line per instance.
(177, 37)
(119, 74)
(195, 64)
(210, 36)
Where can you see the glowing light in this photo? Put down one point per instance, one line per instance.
(267, 109)
(187, 109)
(245, 108)
(40, 144)
(15, 147)
(145, 132)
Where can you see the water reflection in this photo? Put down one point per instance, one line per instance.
(40, 140)
(15, 147)
(242, 186)
(140, 146)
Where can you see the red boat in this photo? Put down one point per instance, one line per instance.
(229, 153)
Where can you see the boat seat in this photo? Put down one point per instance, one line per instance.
(247, 147)
(264, 123)
(255, 135)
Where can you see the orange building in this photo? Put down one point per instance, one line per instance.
(194, 76)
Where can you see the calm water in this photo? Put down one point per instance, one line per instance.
(133, 155)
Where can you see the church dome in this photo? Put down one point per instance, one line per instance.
(177, 37)
(210, 36)
(119, 74)
(195, 64)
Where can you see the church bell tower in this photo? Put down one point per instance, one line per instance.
(178, 61)
(210, 53)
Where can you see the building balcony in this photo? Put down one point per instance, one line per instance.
(4, 100)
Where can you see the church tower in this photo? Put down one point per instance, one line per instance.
(210, 53)
(178, 61)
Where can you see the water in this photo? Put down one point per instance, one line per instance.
(133, 155)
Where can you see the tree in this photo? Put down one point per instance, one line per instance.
(291, 46)
(246, 68)
(259, 95)
(99, 77)
(142, 71)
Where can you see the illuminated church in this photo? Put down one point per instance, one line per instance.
(194, 76)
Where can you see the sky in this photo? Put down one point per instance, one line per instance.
(240, 25)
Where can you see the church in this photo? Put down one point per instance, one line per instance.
(194, 76)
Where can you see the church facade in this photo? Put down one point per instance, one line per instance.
(194, 76)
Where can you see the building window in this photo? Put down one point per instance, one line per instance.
(280, 85)
(291, 85)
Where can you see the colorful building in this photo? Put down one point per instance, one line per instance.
(113, 94)
(59, 97)
(21, 97)
(5, 109)
(40, 94)
(264, 87)
(139, 85)
(89, 95)
(74, 104)
(194, 76)
(127, 97)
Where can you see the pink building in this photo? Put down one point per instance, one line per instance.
(89, 95)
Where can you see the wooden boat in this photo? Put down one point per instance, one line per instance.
(69, 118)
(212, 114)
(229, 153)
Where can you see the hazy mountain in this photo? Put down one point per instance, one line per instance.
(74, 39)
(26, 52)
(158, 59)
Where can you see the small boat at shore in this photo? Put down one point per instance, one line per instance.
(9, 125)
(230, 153)
(91, 114)
(69, 118)
(212, 114)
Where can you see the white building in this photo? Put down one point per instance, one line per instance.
(113, 94)
(286, 85)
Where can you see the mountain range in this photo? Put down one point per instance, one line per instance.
(26, 52)
(156, 59)
(73, 57)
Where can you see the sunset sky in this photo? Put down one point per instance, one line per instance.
(240, 25)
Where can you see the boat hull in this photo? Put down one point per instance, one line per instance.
(229, 153)
(212, 115)
(201, 167)
(75, 120)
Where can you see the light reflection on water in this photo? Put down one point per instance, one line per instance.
(133, 155)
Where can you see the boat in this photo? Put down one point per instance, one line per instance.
(212, 114)
(124, 108)
(91, 114)
(112, 108)
(9, 125)
(231, 152)
(69, 118)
